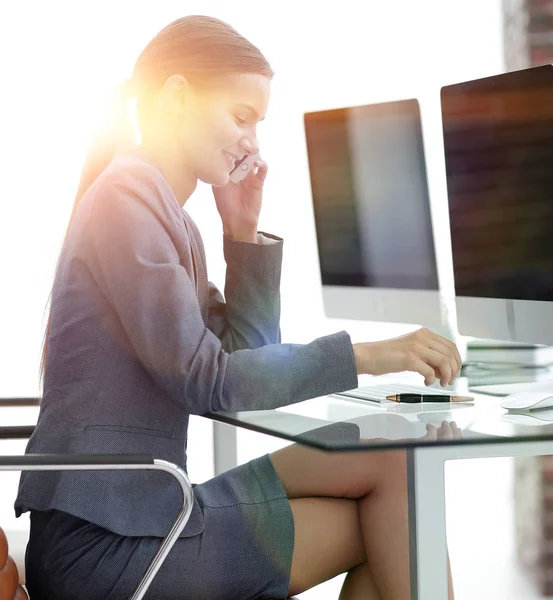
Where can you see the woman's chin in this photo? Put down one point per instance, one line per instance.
(213, 176)
(219, 180)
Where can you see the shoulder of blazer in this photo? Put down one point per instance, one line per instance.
(145, 184)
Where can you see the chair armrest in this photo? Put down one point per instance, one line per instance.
(81, 462)
(15, 432)
(19, 402)
(94, 461)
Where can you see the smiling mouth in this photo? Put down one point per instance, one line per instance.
(231, 159)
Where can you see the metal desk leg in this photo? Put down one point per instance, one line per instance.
(427, 525)
(225, 447)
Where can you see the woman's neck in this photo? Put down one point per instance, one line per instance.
(163, 157)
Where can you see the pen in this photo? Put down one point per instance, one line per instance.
(415, 398)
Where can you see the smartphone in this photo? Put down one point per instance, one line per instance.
(243, 168)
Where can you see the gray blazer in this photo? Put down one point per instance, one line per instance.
(140, 340)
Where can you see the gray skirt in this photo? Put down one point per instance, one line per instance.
(244, 552)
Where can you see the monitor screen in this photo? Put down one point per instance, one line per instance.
(498, 139)
(370, 196)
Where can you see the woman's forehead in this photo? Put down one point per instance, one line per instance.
(249, 89)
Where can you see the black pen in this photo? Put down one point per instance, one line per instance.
(416, 398)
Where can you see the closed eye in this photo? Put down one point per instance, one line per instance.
(241, 120)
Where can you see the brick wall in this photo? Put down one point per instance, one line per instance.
(534, 518)
(540, 31)
(527, 33)
(528, 41)
(515, 34)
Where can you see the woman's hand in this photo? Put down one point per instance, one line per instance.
(239, 204)
(422, 351)
(446, 431)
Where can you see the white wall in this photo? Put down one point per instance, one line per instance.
(59, 61)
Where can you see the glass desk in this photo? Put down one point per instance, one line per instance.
(333, 423)
(336, 424)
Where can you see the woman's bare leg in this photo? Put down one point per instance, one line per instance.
(359, 584)
(328, 542)
(377, 482)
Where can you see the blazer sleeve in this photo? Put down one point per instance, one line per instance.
(132, 258)
(250, 317)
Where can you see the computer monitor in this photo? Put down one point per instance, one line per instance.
(372, 213)
(498, 140)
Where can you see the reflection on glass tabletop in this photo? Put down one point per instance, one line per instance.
(338, 423)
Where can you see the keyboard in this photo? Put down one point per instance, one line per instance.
(378, 393)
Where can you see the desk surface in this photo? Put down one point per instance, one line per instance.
(337, 423)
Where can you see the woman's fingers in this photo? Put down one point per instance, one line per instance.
(445, 348)
(262, 170)
(448, 346)
(443, 356)
(417, 364)
(449, 431)
(446, 431)
(457, 434)
(431, 432)
(438, 361)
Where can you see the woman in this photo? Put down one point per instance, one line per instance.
(138, 340)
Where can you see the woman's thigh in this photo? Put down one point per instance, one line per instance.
(307, 472)
(327, 540)
(361, 494)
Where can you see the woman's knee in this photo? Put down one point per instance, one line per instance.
(306, 472)
(392, 471)
(365, 473)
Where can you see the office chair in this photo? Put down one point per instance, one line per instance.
(9, 577)
(84, 462)
(10, 589)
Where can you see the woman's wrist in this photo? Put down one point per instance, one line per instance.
(357, 356)
(363, 360)
(243, 233)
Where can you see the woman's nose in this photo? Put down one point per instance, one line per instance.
(250, 145)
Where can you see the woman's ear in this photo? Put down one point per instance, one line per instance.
(176, 91)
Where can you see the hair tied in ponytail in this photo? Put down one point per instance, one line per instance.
(116, 127)
(127, 88)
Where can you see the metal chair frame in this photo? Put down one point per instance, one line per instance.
(85, 462)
